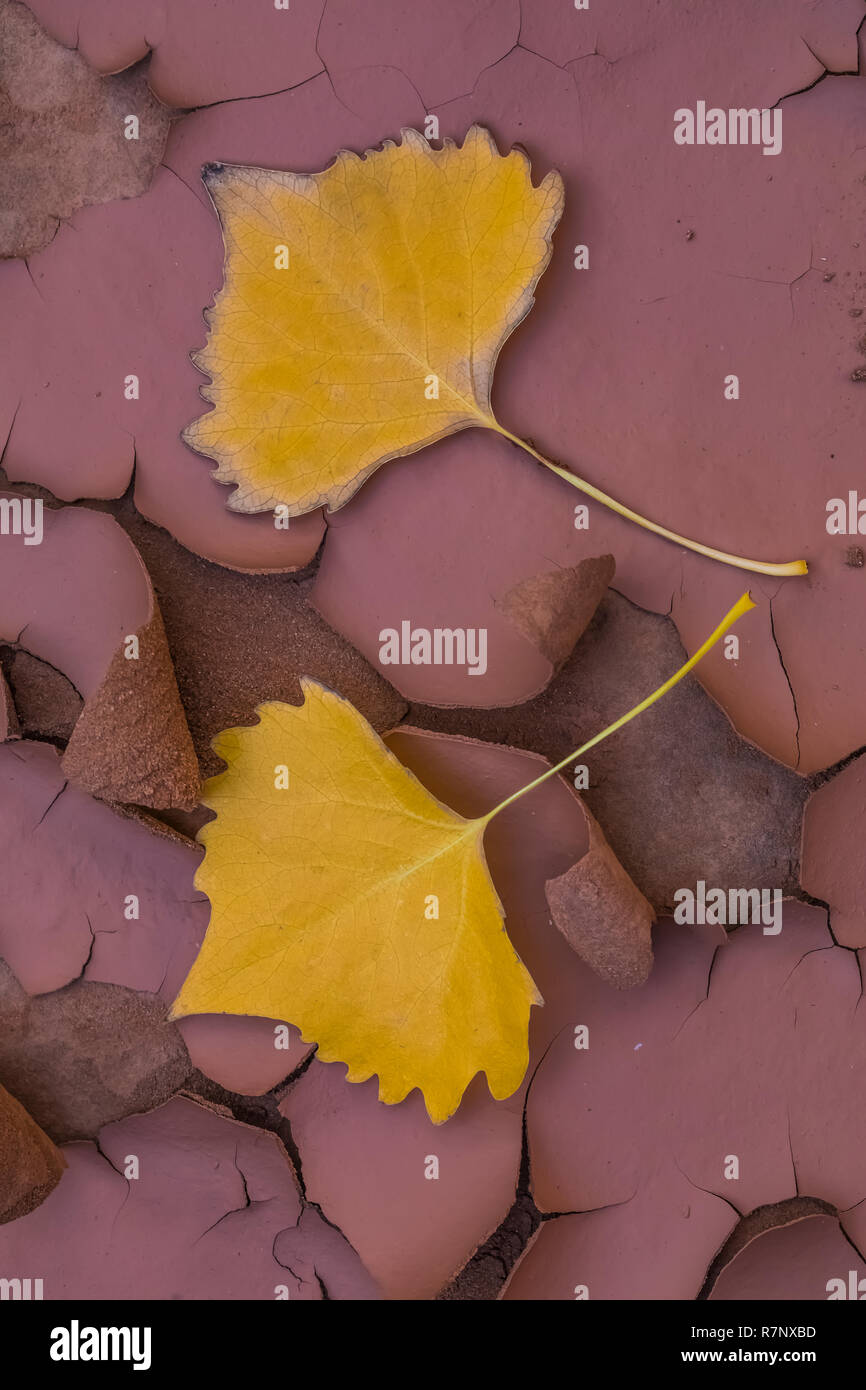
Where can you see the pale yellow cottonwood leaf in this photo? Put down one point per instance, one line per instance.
(321, 910)
(406, 270)
(362, 314)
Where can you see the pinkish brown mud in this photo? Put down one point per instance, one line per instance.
(705, 367)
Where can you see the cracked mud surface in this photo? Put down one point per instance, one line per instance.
(261, 1167)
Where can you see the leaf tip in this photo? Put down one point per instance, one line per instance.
(409, 136)
(554, 184)
(310, 687)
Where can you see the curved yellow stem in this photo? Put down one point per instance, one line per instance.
(757, 566)
(743, 605)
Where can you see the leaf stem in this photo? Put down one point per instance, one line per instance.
(757, 566)
(743, 605)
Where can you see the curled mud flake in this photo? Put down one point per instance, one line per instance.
(63, 133)
(602, 915)
(673, 809)
(544, 838)
(240, 638)
(130, 742)
(88, 1054)
(506, 567)
(30, 1165)
(553, 610)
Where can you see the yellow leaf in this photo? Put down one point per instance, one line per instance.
(363, 311)
(347, 900)
(362, 314)
(355, 905)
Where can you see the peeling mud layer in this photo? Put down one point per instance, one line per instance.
(687, 897)
(65, 140)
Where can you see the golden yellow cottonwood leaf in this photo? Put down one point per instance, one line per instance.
(322, 910)
(363, 310)
(349, 901)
